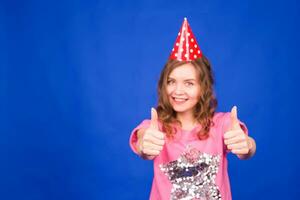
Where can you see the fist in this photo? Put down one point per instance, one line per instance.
(152, 140)
(235, 139)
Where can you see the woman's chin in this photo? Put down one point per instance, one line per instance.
(179, 110)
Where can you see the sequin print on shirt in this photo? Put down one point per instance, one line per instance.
(193, 176)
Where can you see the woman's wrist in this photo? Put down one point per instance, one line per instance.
(252, 149)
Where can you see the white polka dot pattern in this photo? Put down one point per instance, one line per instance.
(186, 47)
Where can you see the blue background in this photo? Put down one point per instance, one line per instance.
(77, 76)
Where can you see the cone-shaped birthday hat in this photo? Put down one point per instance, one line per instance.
(186, 47)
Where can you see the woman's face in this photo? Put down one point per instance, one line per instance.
(183, 88)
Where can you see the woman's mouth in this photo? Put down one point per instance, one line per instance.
(179, 100)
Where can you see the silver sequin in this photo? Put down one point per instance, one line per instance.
(193, 176)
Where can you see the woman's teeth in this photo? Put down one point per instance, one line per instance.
(179, 99)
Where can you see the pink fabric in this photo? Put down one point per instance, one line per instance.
(214, 145)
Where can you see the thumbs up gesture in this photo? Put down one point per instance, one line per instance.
(235, 139)
(151, 140)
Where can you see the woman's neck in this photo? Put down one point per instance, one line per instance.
(187, 120)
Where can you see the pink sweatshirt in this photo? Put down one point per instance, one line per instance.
(188, 168)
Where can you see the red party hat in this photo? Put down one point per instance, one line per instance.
(186, 47)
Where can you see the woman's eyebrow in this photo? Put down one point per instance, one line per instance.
(190, 79)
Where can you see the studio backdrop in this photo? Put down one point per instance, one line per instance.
(77, 76)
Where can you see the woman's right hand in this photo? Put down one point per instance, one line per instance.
(151, 140)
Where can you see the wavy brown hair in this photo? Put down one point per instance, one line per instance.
(205, 107)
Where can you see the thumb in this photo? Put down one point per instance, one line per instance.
(234, 118)
(154, 118)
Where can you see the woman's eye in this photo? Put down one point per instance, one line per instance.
(189, 84)
(170, 82)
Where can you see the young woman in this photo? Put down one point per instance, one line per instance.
(185, 137)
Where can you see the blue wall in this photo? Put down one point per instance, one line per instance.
(77, 76)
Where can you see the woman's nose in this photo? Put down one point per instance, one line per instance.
(179, 89)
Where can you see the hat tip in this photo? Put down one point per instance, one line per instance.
(185, 18)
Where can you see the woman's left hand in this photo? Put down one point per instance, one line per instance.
(235, 139)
